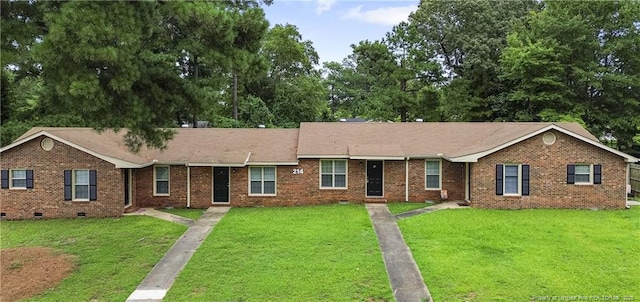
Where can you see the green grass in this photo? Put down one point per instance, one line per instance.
(187, 213)
(493, 255)
(319, 253)
(113, 255)
(401, 207)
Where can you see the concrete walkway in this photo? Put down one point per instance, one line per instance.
(436, 207)
(405, 278)
(164, 216)
(155, 286)
(633, 203)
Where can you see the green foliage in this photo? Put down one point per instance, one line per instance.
(575, 60)
(271, 254)
(142, 66)
(514, 255)
(124, 249)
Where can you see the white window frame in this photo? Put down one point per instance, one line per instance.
(74, 184)
(439, 161)
(275, 181)
(575, 174)
(504, 180)
(155, 180)
(11, 178)
(333, 174)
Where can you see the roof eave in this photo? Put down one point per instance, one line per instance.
(118, 163)
(312, 156)
(473, 157)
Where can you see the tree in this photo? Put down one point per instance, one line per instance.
(139, 65)
(291, 87)
(468, 38)
(414, 69)
(578, 61)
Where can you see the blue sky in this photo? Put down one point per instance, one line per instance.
(333, 25)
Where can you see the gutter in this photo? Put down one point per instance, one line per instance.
(188, 186)
(406, 179)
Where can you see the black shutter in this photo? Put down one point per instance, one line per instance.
(29, 179)
(92, 185)
(525, 180)
(5, 179)
(571, 174)
(67, 184)
(499, 184)
(597, 174)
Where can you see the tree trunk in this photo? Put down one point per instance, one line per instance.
(235, 95)
(403, 107)
(196, 71)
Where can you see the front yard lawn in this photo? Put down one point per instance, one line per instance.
(526, 255)
(113, 255)
(314, 253)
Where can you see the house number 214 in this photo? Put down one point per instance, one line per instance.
(298, 171)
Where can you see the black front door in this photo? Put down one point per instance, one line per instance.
(374, 178)
(220, 184)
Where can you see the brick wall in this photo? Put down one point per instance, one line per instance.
(177, 197)
(201, 187)
(47, 195)
(298, 189)
(548, 187)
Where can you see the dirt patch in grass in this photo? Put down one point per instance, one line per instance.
(29, 271)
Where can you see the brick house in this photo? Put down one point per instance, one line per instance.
(69, 172)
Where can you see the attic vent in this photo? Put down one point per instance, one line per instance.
(549, 138)
(46, 144)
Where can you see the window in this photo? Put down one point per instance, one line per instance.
(333, 174)
(583, 174)
(17, 179)
(433, 174)
(161, 180)
(80, 185)
(262, 181)
(512, 179)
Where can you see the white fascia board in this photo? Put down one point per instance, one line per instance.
(324, 156)
(378, 157)
(430, 156)
(234, 165)
(118, 163)
(475, 156)
(293, 163)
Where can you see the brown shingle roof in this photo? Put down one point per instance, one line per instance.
(210, 146)
(415, 139)
(238, 147)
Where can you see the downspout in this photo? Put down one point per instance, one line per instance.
(628, 183)
(406, 179)
(188, 186)
(466, 181)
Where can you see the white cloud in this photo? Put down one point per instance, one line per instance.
(324, 5)
(382, 15)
